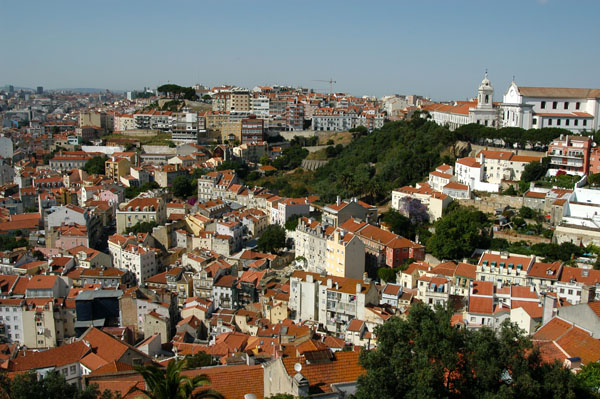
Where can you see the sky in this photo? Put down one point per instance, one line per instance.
(436, 48)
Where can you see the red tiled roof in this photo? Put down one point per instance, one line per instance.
(320, 376)
(481, 305)
(55, 357)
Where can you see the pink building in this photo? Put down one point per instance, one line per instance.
(71, 236)
(570, 154)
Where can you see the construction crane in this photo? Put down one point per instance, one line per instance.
(330, 81)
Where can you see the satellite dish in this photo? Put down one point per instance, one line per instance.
(298, 367)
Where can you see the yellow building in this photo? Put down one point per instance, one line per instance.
(239, 101)
(215, 119)
(116, 168)
(345, 255)
(231, 131)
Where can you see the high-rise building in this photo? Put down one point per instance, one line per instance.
(40, 90)
(11, 88)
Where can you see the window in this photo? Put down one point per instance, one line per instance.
(72, 369)
(567, 122)
(577, 104)
(566, 105)
(535, 121)
(558, 122)
(570, 292)
(554, 104)
(584, 122)
(549, 122)
(576, 122)
(543, 105)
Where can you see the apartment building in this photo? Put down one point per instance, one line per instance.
(252, 130)
(331, 301)
(345, 255)
(286, 208)
(504, 267)
(140, 210)
(570, 154)
(311, 243)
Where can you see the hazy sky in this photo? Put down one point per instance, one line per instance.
(434, 48)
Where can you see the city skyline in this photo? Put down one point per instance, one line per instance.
(436, 49)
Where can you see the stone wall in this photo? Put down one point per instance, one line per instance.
(515, 237)
(493, 202)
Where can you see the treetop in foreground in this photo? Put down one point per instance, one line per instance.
(425, 357)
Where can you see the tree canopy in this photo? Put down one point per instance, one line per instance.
(95, 166)
(52, 386)
(459, 233)
(425, 357)
(535, 170)
(141, 227)
(399, 224)
(184, 187)
(272, 239)
(177, 91)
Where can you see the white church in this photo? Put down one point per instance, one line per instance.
(573, 109)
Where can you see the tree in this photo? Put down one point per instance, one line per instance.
(183, 187)
(95, 166)
(170, 384)
(53, 385)
(589, 376)
(200, 359)
(458, 234)
(272, 238)
(141, 227)
(292, 223)
(399, 224)
(264, 160)
(386, 274)
(414, 210)
(535, 170)
(527, 213)
(425, 357)
(594, 179)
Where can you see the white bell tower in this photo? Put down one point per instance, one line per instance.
(485, 94)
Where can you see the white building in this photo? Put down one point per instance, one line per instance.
(331, 301)
(481, 111)
(140, 260)
(311, 243)
(435, 201)
(538, 107)
(285, 209)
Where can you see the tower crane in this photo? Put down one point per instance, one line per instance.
(330, 81)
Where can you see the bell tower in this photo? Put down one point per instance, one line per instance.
(485, 94)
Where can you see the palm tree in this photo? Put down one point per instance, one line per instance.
(170, 384)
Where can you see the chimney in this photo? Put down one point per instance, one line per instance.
(338, 200)
(309, 278)
(531, 288)
(499, 284)
(588, 292)
(358, 288)
(329, 283)
(549, 304)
